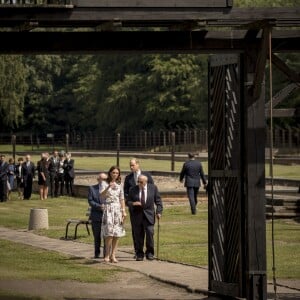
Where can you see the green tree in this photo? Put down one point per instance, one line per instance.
(165, 91)
(75, 101)
(178, 91)
(41, 71)
(12, 91)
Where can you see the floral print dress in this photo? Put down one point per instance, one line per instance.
(112, 214)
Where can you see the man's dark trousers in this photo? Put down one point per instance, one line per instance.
(192, 195)
(96, 228)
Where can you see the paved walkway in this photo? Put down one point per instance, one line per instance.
(194, 279)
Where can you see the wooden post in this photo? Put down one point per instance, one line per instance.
(118, 149)
(283, 137)
(145, 140)
(173, 152)
(31, 141)
(165, 139)
(253, 170)
(290, 138)
(67, 142)
(13, 142)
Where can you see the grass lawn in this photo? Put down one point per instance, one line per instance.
(26, 262)
(183, 237)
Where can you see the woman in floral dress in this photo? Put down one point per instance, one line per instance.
(114, 213)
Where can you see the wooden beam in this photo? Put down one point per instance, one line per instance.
(147, 16)
(253, 170)
(285, 69)
(261, 63)
(282, 94)
(132, 41)
(282, 113)
(152, 3)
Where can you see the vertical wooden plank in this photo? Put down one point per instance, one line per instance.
(225, 183)
(254, 181)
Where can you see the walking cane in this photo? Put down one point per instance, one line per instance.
(157, 243)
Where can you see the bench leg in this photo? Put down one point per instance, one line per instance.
(67, 228)
(87, 228)
(75, 236)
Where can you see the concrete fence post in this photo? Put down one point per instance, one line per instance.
(38, 218)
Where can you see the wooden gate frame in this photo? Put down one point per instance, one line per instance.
(248, 146)
(185, 33)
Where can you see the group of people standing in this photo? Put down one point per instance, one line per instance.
(55, 172)
(108, 199)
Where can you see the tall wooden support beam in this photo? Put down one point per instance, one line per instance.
(254, 172)
(226, 254)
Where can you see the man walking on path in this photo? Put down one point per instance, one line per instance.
(96, 203)
(192, 171)
(145, 202)
(131, 181)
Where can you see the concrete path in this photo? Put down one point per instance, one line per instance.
(194, 279)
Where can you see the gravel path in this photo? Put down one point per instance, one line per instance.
(163, 183)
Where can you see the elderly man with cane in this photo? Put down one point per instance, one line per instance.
(146, 204)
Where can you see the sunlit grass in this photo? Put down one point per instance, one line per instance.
(25, 262)
(182, 237)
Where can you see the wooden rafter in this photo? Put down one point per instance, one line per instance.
(282, 94)
(285, 92)
(261, 63)
(285, 69)
(89, 13)
(136, 41)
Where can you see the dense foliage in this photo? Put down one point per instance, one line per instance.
(113, 93)
(105, 93)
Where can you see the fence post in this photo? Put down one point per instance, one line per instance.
(145, 141)
(118, 149)
(13, 142)
(31, 141)
(67, 142)
(173, 152)
(290, 138)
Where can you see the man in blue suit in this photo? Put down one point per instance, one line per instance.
(145, 203)
(96, 203)
(192, 171)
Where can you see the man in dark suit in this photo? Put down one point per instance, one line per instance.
(53, 172)
(28, 175)
(145, 202)
(96, 203)
(69, 174)
(3, 178)
(192, 171)
(131, 181)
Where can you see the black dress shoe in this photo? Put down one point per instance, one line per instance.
(139, 258)
(97, 256)
(150, 257)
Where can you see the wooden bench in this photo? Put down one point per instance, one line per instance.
(77, 222)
